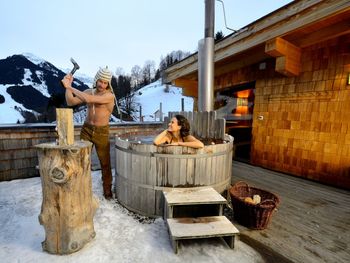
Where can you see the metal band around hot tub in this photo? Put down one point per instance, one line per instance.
(154, 187)
(175, 156)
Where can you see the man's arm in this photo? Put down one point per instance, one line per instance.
(83, 97)
(71, 100)
(88, 98)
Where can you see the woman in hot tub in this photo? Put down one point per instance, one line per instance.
(178, 133)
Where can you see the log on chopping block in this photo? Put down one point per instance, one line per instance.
(65, 126)
(68, 205)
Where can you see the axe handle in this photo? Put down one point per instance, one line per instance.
(73, 70)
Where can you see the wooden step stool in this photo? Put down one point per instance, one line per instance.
(182, 209)
(184, 202)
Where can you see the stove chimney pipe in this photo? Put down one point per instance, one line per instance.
(206, 61)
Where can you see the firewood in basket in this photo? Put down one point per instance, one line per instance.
(256, 199)
(249, 200)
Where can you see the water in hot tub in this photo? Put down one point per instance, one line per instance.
(148, 139)
(142, 139)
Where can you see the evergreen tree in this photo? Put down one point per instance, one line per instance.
(219, 35)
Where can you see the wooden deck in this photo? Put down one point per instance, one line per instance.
(312, 223)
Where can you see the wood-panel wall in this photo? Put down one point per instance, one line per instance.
(18, 158)
(305, 129)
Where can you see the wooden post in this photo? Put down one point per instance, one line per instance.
(160, 112)
(141, 119)
(68, 205)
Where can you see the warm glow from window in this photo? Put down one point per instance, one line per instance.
(242, 101)
(242, 110)
(243, 94)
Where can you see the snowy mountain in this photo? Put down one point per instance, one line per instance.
(87, 80)
(30, 90)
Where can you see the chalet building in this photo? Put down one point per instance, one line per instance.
(283, 85)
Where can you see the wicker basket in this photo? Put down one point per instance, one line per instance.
(255, 216)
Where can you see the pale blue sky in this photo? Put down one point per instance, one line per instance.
(114, 32)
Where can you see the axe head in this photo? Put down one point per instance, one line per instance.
(75, 66)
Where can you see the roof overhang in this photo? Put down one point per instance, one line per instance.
(282, 34)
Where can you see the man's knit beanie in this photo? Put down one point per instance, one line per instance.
(105, 75)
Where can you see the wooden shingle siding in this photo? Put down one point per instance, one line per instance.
(298, 57)
(306, 123)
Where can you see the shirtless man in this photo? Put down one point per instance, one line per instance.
(100, 102)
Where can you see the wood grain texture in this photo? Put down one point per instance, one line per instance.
(65, 126)
(68, 205)
(143, 171)
(203, 227)
(193, 196)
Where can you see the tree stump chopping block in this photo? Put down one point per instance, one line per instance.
(68, 205)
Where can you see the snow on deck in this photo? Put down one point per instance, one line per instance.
(121, 236)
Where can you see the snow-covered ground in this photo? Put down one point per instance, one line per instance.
(150, 97)
(121, 236)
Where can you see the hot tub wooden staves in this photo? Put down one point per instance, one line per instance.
(144, 170)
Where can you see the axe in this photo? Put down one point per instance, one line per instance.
(75, 66)
(74, 69)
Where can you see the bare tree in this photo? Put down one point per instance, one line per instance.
(136, 76)
(172, 58)
(119, 72)
(148, 71)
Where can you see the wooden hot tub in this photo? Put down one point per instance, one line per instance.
(144, 170)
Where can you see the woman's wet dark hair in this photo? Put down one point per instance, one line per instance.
(185, 125)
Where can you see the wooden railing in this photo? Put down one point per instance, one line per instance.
(18, 157)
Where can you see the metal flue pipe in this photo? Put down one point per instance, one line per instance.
(206, 61)
(209, 18)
